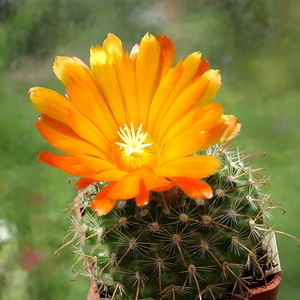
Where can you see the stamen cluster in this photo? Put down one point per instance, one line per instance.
(133, 139)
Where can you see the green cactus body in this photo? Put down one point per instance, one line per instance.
(178, 247)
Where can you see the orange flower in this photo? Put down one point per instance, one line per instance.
(134, 120)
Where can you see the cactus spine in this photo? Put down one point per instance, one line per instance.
(177, 247)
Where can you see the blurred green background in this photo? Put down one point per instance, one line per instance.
(256, 44)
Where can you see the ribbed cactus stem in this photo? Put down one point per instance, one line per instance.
(177, 247)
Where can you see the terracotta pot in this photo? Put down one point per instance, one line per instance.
(268, 291)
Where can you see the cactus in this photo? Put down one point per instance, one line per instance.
(154, 219)
(177, 247)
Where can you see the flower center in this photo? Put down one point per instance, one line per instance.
(135, 150)
(133, 141)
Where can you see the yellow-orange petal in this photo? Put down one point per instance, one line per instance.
(113, 45)
(202, 118)
(233, 127)
(96, 163)
(191, 66)
(208, 115)
(203, 67)
(94, 109)
(85, 93)
(102, 204)
(56, 125)
(147, 70)
(51, 103)
(67, 163)
(83, 183)
(190, 141)
(104, 69)
(69, 69)
(152, 181)
(65, 143)
(214, 84)
(142, 198)
(175, 83)
(200, 166)
(163, 98)
(214, 135)
(225, 129)
(198, 92)
(127, 81)
(194, 188)
(198, 129)
(87, 130)
(191, 95)
(109, 175)
(126, 188)
(183, 146)
(157, 183)
(167, 53)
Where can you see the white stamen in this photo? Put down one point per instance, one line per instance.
(133, 141)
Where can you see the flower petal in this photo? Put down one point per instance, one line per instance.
(202, 118)
(88, 131)
(126, 188)
(85, 93)
(83, 183)
(95, 163)
(142, 198)
(200, 166)
(127, 81)
(194, 188)
(197, 93)
(198, 129)
(109, 175)
(103, 67)
(67, 163)
(147, 69)
(65, 143)
(102, 204)
(113, 45)
(172, 86)
(214, 84)
(51, 103)
(56, 125)
(152, 181)
(167, 53)
(233, 128)
(202, 68)
(162, 99)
